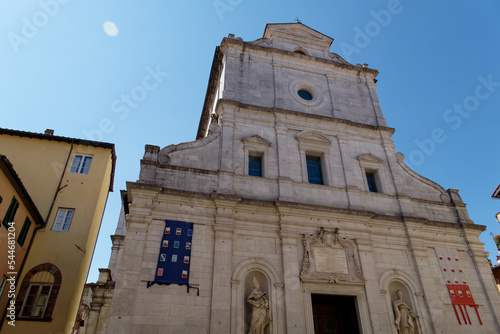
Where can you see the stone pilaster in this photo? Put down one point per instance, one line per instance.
(220, 321)
(226, 164)
(285, 182)
(117, 245)
(294, 308)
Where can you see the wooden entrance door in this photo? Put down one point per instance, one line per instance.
(334, 314)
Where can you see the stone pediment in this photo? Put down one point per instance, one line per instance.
(369, 160)
(297, 32)
(256, 140)
(313, 138)
(328, 257)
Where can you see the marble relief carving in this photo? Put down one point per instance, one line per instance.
(330, 257)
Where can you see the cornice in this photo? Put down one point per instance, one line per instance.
(368, 215)
(248, 45)
(239, 104)
(68, 140)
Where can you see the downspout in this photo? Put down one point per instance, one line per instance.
(59, 185)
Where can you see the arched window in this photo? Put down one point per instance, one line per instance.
(38, 292)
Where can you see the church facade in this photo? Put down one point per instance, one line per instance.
(292, 213)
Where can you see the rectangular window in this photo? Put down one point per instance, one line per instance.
(80, 164)
(11, 212)
(371, 179)
(24, 231)
(255, 165)
(36, 301)
(63, 220)
(314, 172)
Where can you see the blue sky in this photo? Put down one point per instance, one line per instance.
(439, 81)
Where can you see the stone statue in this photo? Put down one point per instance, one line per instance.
(261, 316)
(404, 315)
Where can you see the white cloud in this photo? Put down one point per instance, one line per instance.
(110, 28)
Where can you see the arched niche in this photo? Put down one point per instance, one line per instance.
(242, 286)
(398, 285)
(390, 282)
(264, 286)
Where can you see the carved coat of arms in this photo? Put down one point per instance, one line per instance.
(330, 257)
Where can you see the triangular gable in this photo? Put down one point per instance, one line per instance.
(256, 139)
(298, 32)
(370, 158)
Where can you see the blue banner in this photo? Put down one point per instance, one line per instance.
(175, 254)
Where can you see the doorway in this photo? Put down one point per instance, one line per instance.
(334, 314)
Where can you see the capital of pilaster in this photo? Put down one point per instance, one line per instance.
(331, 77)
(288, 237)
(281, 131)
(225, 204)
(223, 228)
(366, 242)
(418, 247)
(117, 240)
(231, 53)
(96, 306)
(343, 140)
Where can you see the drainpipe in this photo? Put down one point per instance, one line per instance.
(59, 185)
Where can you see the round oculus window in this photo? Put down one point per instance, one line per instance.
(305, 94)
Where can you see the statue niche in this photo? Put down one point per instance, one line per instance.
(257, 305)
(331, 258)
(405, 317)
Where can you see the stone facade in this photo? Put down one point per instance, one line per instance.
(367, 227)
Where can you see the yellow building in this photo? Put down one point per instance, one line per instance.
(69, 180)
(20, 218)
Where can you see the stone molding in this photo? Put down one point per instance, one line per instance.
(390, 275)
(313, 138)
(215, 131)
(400, 159)
(369, 160)
(322, 118)
(333, 246)
(248, 264)
(227, 42)
(362, 213)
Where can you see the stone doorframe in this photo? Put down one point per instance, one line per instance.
(351, 290)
